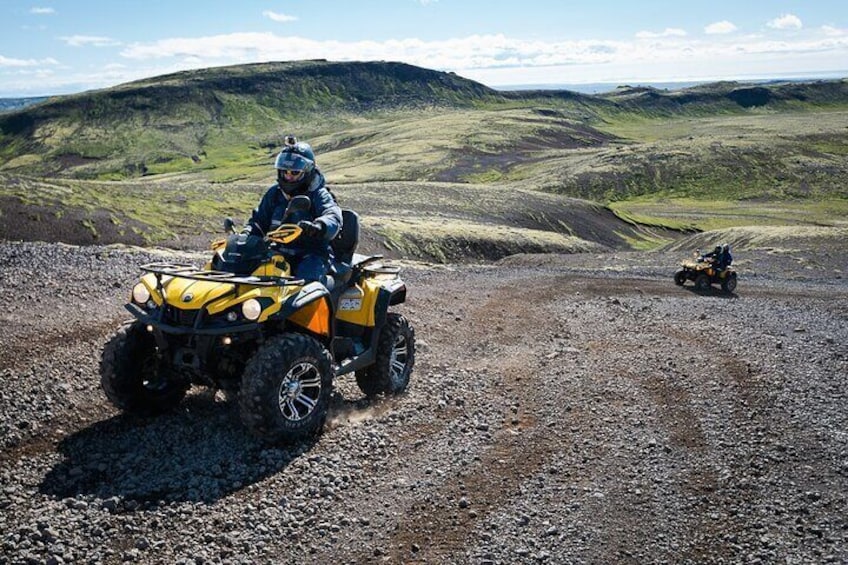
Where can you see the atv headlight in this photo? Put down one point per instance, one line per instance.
(140, 294)
(251, 309)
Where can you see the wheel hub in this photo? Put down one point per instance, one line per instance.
(291, 389)
(398, 358)
(299, 391)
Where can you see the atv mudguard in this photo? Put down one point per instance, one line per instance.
(310, 308)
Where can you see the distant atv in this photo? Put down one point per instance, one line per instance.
(243, 323)
(703, 272)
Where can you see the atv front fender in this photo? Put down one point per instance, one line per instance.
(310, 308)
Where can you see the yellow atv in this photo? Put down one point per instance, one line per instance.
(704, 273)
(243, 323)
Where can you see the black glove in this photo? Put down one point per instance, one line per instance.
(312, 229)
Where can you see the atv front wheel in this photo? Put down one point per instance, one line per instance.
(132, 376)
(702, 282)
(286, 388)
(680, 278)
(729, 283)
(395, 358)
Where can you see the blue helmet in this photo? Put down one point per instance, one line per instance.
(294, 171)
(305, 149)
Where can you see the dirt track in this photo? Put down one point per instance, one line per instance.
(573, 410)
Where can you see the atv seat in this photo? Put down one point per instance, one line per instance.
(345, 242)
(344, 245)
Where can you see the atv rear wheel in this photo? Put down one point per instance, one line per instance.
(286, 388)
(729, 283)
(395, 358)
(133, 377)
(680, 278)
(702, 282)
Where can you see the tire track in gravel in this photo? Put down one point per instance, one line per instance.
(737, 402)
(670, 400)
(435, 523)
(436, 526)
(729, 474)
(31, 347)
(439, 523)
(39, 350)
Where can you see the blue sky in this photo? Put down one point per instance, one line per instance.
(64, 46)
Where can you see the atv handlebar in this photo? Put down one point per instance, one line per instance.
(284, 234)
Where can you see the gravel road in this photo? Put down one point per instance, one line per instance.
(572, 409)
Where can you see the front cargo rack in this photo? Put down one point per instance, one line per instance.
(185, 271)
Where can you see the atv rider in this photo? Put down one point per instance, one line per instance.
(310, 254)
(719, 257)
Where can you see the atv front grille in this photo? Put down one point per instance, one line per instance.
(177, 317)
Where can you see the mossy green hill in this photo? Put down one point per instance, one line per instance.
(228, 120)
(131, 162)
(182, 121)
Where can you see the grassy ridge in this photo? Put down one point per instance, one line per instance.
(436, 221)
(155, 212)
(754, 155)
(689, 214)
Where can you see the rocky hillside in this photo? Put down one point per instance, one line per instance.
(440, 167)
(443, 222)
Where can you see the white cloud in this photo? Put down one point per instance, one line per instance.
(42, 11)
(720, 28)
(491, 59)
(486, 52)
(833, 31)
(667, 32)
(93, 40)
(277, 17)
(9, 62)
(233, 45)
(786, 21)
(468, 52)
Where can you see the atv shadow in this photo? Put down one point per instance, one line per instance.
(200, 453)
(712, 291)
